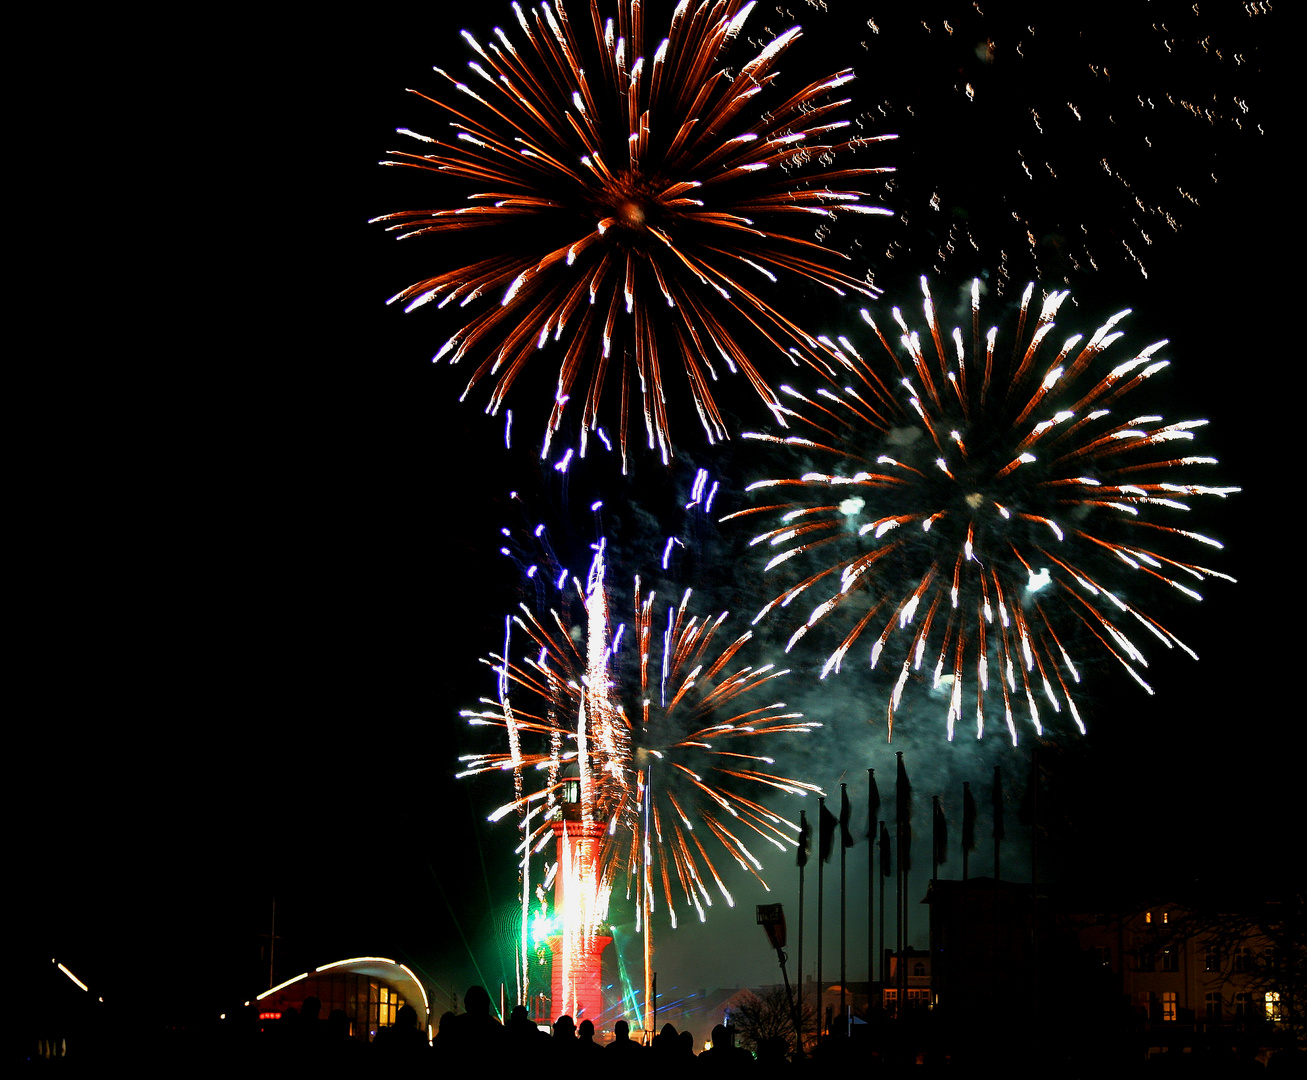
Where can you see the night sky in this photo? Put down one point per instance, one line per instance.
(261, 537)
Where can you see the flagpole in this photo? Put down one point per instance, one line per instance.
(996, 801)
(804, 834)
(968, 826)
(938, 857)
(646, 892)
(884, 842)
(903, 818)
(524, 975)
(936, 813)
(1032, 809)
(898, 888)
(873, 804)
(968, 842)
(821, 903)
(845, 840)
(936, 817)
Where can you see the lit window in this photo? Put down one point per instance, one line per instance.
(1148, 916)
(891, 1000)
(1166, 916)
(1273, 1012)
(1168, 1005)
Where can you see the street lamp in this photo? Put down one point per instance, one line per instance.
(771, 917)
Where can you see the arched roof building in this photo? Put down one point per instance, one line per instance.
(369, 989)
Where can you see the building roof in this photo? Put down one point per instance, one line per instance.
(378, 967)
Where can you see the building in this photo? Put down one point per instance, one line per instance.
(581, 906)
(910, 981)
(983, 944)
(1181, 975)
(370, 990)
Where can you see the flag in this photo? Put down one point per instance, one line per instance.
(996, 800)
(846, 837)
(805, 839)
(1029, 805)
(903, 795)
(827, 829)
(939, 833)
(873, 804)
(968, 819)
(886, 867)
(903, 815)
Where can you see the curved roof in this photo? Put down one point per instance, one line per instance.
(378, 967)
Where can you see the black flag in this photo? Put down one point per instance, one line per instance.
(1028, 809)
(886, 866)
(997, 802)
(827, 828)
(805, 839)
(846, 837)
(968, 819)
(939, 834)
(903, 816)
(873, 804)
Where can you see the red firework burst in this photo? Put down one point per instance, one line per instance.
(984, 508)
(604, 185)
(679, 776)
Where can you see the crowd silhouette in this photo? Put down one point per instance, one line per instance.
(301, 1043)
(474, 1039)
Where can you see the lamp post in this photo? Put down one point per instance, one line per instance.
(771, 917)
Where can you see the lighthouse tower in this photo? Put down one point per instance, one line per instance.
(580, 903)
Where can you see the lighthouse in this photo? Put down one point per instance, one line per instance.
(581, 905)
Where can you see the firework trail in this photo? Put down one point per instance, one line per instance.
(603, 186)
(670, 526)
(1047, 141)
(985, 507)
(671, 782)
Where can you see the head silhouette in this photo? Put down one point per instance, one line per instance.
(476, 1002)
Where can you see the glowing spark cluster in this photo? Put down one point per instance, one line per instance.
(604, 182)
(657, 727)
(984, 507)
(1046, 143)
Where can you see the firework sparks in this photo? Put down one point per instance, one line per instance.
(985, 507)
(1046, 144)
(668, 780)
(605, 185)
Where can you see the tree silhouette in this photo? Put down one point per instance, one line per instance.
(766, 1014)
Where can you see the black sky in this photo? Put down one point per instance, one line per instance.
(260, 535)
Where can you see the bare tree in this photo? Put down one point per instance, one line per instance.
(1262, 946)
(766, 1015)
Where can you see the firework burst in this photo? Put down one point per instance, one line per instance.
(602, 185)
(987, 509)
(1046, 144)
(669, 780)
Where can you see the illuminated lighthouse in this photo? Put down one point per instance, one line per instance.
(581, 904)
(593, 734)
(582, 883)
